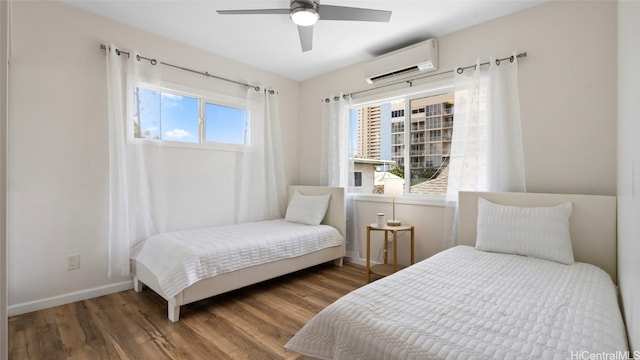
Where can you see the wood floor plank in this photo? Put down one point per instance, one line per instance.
(71, 333)
(24, 337)
(49, 343)
(259, 326)
(250, 323)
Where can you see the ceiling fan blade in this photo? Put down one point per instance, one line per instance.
(306, 37)
(255, 12)
(330, 12)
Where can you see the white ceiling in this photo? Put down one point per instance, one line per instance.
(270, 42)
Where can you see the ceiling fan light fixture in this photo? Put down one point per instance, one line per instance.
(304, 16)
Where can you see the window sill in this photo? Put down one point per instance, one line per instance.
(211, 146)
(423, 200)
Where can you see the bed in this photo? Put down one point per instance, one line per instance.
(187, 266)
(483, 299)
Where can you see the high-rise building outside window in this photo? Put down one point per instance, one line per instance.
(418, 144)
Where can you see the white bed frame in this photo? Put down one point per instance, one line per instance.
(592, 223)
(237, 279)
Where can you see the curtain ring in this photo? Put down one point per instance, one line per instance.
(497, 61)
(271, 92)
(336, 98)
(459, 70)
(153, 61)
(138, 57)
(326, 100)
(118, 52)
(511, 58)
(256, 88)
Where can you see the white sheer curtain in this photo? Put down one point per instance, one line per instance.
(262, 191)
(131, 214)
(138, 173)
(486, 146)
(337, 161)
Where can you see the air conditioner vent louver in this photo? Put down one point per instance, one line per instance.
(399, 64)
(395, 74)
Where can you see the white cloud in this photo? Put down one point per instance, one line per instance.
(171, 100)
(178, 134)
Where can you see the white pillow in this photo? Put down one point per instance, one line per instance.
(307, 209)
(541, 232)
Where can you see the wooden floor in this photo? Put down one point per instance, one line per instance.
(250, 323)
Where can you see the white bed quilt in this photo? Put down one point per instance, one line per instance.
(468, 304)
(179, 259)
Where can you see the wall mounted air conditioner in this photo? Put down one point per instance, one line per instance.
(396, 65)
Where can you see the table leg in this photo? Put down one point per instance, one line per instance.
(368, 276)
(386, 248)
(412, 246)
(395, 251)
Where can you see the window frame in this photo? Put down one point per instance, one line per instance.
(416, 92)
(203, 97)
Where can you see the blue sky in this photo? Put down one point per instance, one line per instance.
(224, 124)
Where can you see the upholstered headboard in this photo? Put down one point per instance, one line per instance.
(336, 214)
(592, 223)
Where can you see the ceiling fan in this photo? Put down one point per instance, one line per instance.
(305, 13)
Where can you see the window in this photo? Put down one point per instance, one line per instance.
(417, 145)
(225, 124)
(176, 117)
(357, 178)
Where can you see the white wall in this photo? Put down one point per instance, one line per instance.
(629, 166)
(58, 164)
(567, 96)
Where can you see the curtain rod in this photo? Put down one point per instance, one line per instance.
(154, 62)
(459, 70)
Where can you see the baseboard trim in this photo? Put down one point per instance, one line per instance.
(64, 299)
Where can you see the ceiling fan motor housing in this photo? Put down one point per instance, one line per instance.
(298, 5)
(303, 12)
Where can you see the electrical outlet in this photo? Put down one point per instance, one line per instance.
(73, 262)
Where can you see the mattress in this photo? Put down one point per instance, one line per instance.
(179, 259)
(464, 303)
